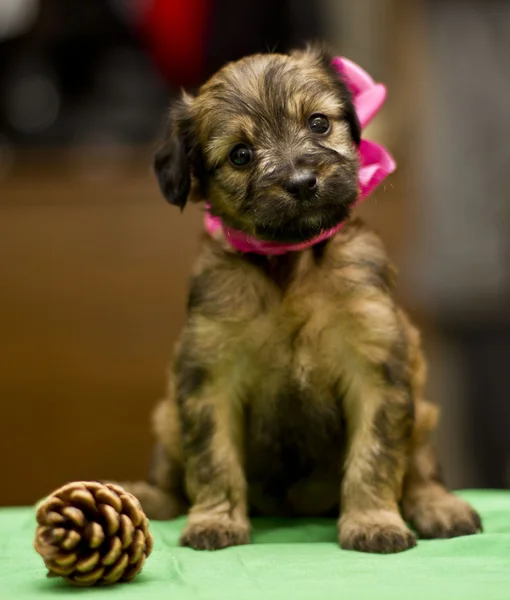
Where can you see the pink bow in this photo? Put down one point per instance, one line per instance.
(376, 163)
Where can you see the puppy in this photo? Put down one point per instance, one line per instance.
(297, 385)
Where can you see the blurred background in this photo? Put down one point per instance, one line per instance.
(94, 264)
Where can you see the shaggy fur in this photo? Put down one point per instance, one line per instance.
(297, 385)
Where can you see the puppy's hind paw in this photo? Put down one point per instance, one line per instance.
(442, 516)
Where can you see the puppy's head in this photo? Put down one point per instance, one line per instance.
(270, 142)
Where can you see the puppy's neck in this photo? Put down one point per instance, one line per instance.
(280, 269)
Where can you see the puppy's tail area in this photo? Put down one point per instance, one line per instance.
(157, 504)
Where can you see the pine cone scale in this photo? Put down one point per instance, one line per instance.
(116, 572)
(87, 564)
(94, 535)
(114, 553)
(56, 569)
(52, 518)
(127, 531)
(137, 547)
(132, 571)
(111, 518)
(74, 515)
(86, 579)
(84, 499)
(72, 539)
(106, 496)
(131, 507)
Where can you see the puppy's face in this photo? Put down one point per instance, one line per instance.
(270, 142)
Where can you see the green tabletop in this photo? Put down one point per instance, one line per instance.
(288, 560)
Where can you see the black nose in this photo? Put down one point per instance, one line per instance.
(302, 184)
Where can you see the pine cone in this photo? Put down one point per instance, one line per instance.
(92, 533)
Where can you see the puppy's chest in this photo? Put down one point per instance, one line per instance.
(292, 343)
(294, 412)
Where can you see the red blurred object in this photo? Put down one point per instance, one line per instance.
(175, 32)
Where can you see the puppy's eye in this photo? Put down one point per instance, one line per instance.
(240, 155)
(319, 124)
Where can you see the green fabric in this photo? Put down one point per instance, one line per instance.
(288, 560)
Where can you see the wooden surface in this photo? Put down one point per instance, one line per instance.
(93, 275)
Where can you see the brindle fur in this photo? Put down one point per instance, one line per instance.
(297, 387)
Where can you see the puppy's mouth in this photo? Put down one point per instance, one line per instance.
(287, 219)
(304, 227)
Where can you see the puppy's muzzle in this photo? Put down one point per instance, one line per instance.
(302, 184)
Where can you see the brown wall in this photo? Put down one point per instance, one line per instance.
(93, 275)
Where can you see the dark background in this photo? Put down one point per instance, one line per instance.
(94, 264)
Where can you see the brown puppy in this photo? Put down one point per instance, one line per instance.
(297, 383)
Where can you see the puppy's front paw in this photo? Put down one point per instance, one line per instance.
(378, 531)
(441, 516)
(211, 534)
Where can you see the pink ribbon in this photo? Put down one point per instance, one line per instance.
(376, 163)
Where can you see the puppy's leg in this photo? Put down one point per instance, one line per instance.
(212, 440)
(379, 420)
(426, 504)
(161, 497)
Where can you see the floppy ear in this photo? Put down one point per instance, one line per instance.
(349, 112)
(350, 116)
(320, 56)
(173, 160)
